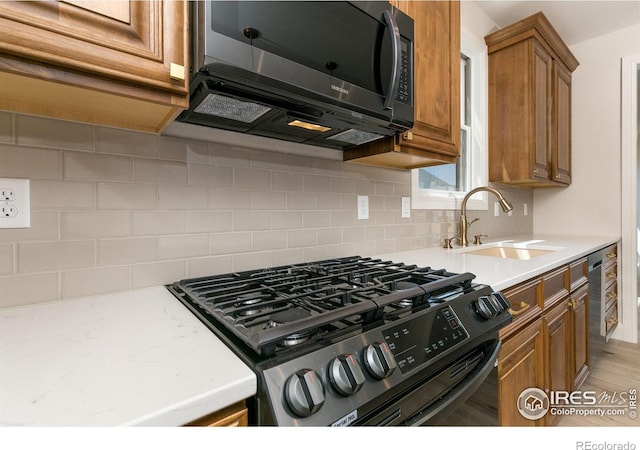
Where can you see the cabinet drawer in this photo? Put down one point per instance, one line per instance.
(610, 255)
(525, 300)
(610, 296)
(610, 275)
(611, 320)
(555, 286)
(578, 273)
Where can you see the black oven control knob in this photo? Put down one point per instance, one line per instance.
(345, 374)
(379, 360)
(304, 392)
(489, 306)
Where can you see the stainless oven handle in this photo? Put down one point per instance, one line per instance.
(394, 33)
(461, 392)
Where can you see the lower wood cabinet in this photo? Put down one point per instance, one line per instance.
(231, 416)
(519, 367)
(579, 320)
(547, 344)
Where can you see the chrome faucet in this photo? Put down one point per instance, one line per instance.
(464, 224)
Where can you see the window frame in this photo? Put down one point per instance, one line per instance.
(475, 50)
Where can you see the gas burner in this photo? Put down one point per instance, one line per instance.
(402, 286)
(291, 315)
(249, 304)
(288, 315)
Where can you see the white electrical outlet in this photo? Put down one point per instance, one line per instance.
(496, 209)
(526, 209)
(406, 207)
(363, 207)
(15, 203)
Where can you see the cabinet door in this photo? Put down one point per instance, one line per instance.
(580, 336)
(557, 345)
(436, 76)
(561, 142)
(132, 41)
(541, 134)
(519, 368)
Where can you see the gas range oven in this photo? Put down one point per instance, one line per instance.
(353, 341)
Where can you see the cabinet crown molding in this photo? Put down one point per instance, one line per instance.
(535, 25)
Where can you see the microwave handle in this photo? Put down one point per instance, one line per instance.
(394, 33)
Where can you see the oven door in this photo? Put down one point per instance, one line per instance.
(432, 400)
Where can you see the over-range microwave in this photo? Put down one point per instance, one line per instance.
(332, 74)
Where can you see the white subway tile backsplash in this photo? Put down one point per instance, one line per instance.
(211, 265)
(226, 199)
(208, 221)
(157, 273)
(61, 195)
(269, 240)
(250, 220)
(183, 197)
(27, 162)
(94, 224)
(248, 178)
(125, 142)
(206, 175)
(230, 243)
(6, 127)
(44, 227)
(91, 166)
(268, 200)
(80, 283)
(152, 223)
(115, 252)
(114, 210)
(188, 246)
(127, 196)
(28, 289)
(50, 133)
(286, 220)
(159, 171)
(49, 256)
(6, 259)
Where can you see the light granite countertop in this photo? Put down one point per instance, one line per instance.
(132, 358)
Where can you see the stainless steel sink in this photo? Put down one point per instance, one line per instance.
(510, 250)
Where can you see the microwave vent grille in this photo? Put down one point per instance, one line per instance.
(231, 108)
(355, 137)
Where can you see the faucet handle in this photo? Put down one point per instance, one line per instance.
(477, 237)
(474, 220)
(448, 241)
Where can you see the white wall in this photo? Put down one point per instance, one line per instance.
(592, 204)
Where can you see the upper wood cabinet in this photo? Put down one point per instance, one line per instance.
(530, 104)
(435, 136)
(116, 63)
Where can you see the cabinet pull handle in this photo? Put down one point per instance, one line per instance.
(612, 275)
(523, 307)
(573, 303)
(611, 295)
(176, 72)
(612, 321)
(611, 255)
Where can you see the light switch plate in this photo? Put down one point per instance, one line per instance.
(406, 207)
(15, 203)
(363, 207)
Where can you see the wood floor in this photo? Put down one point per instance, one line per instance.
(615, 367)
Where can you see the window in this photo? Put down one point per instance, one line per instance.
(444, 186)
